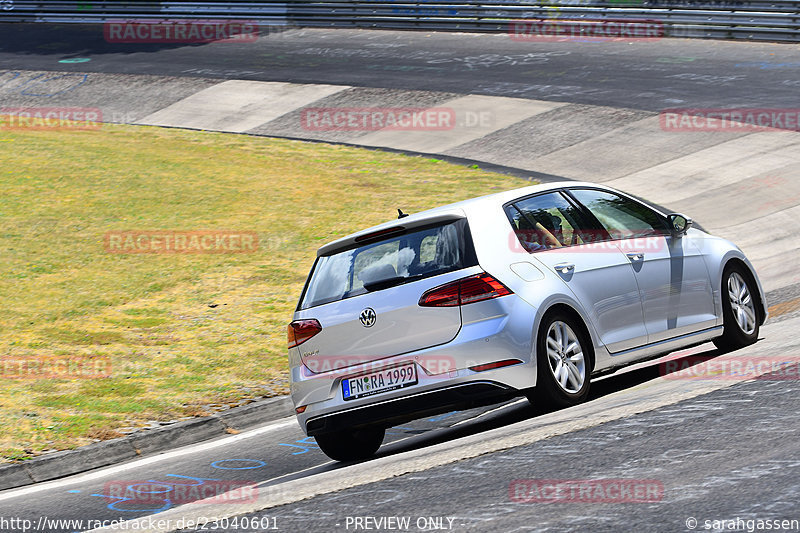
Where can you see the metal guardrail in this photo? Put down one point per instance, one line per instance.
(773, 20)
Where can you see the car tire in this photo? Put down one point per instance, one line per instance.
(740, 313)
(351, 444)
(563, 362)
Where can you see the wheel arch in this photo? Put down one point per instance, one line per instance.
(747, 268)
(562, 307)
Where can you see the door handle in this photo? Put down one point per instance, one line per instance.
(564, 268)
(635, 256)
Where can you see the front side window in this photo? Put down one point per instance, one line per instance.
(546, 221)
(396, 260)
(621, 217)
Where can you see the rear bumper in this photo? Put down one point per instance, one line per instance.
(400, 410)
(493, 330)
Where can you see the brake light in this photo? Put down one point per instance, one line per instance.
(464, 291)
(300, 331)
(380, 233)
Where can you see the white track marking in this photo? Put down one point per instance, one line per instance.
(186, 450)
(489, 412)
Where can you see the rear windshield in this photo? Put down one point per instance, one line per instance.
(409, 256)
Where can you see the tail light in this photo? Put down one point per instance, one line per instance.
(300, 331)
(464, 291)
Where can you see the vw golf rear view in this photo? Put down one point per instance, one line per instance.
(526, 292)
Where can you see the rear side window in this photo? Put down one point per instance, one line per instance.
(547, 221)
(411, 256)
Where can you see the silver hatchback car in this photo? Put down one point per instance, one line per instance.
(526, 292)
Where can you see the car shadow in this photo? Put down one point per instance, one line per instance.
(625, 379)
(414, 435)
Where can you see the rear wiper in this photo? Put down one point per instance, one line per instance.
(385, 283)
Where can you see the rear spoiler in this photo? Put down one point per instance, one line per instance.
(389, 229)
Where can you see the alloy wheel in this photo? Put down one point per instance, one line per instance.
(565, 355)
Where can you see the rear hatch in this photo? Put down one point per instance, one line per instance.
(365, 294)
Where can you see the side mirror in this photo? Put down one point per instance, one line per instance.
(679, 224)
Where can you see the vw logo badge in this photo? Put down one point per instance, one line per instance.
(367, 317)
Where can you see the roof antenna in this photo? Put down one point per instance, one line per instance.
(400, 214)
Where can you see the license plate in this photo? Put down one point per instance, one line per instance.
(378, 382)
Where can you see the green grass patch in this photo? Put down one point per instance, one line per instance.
(180, 331)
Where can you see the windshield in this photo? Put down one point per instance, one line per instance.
(399, 259)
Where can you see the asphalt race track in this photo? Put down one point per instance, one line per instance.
(651, 76)
(716, 449)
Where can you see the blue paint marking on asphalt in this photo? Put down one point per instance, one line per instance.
(41, 79)
(15, 73)
(304, 444)
(27, 87)
(169, 486)
(120, 499)
(442, 417)
(216, 464)
(75, 60)
(166, 488)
